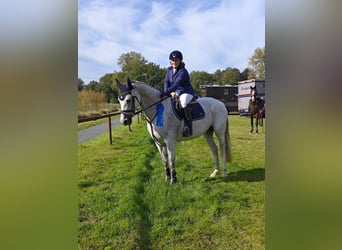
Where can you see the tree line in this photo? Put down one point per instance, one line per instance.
(136, 67)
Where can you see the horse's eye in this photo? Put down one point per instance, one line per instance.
(121, 97)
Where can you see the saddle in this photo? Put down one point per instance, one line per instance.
(197, 111)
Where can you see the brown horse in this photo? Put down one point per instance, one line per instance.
(256, 107)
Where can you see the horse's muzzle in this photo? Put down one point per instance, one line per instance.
(126, 119)
(127, 122)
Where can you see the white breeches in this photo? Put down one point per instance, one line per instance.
(185, 99)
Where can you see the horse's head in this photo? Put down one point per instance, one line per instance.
(127, 102)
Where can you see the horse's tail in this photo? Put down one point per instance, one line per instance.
(229, 156)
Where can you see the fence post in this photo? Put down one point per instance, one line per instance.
(110, 130)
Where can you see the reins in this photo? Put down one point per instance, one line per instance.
(154, 104)
(141, 110)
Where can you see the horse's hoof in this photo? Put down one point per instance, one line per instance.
(214, 173)
(167, 174)
(224, 175)
(173, 181)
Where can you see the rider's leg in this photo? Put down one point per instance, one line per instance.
(186, 110)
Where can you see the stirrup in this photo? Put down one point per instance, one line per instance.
(186, 132)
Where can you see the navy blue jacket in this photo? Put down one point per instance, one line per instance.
(178, 82)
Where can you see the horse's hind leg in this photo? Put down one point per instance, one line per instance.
(252, 128)
(210, 140)
(261, 120)
(222, 141)
(261, 123)
(256, 124)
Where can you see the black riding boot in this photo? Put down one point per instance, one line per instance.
(187, 121)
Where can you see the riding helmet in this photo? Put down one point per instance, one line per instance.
(176, 55)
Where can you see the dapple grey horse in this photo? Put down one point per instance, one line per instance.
(169, 131)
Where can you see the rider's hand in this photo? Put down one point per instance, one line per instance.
(163, 93)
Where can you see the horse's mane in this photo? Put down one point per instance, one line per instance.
(144, 86)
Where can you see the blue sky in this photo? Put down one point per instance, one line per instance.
(211, 34)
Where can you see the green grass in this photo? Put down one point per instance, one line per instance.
(125, 203)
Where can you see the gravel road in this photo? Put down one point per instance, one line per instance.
(89, 133)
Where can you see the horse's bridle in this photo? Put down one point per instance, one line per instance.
(132, 108)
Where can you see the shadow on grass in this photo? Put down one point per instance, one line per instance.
(246, 138)
(142, 222)
(250, 175)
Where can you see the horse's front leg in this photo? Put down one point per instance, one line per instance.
(163, 153)
(166, 164)
(171, 152)
(161, 146)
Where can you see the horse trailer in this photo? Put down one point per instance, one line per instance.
(228, 94)
(244, 93)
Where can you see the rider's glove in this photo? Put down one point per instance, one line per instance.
(164, 93)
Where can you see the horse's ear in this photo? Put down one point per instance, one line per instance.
(121, 87)
(129, 84)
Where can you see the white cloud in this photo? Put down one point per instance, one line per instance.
(211, 36)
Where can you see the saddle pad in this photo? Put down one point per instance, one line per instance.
(197, 112)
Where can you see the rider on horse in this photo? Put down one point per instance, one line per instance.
(177, 80)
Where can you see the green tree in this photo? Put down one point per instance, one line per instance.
(218, 77)
(105, 86)
(244, 75)
(154, 75)
(199, 78)
(136, 67)
(92, 85)
(132, 64)
(231, 76)
(257, 64)
(80, 84)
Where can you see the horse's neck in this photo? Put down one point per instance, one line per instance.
(147, 96)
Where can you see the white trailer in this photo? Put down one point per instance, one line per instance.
(244, 93)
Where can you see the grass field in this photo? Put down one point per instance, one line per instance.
(125, 203)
